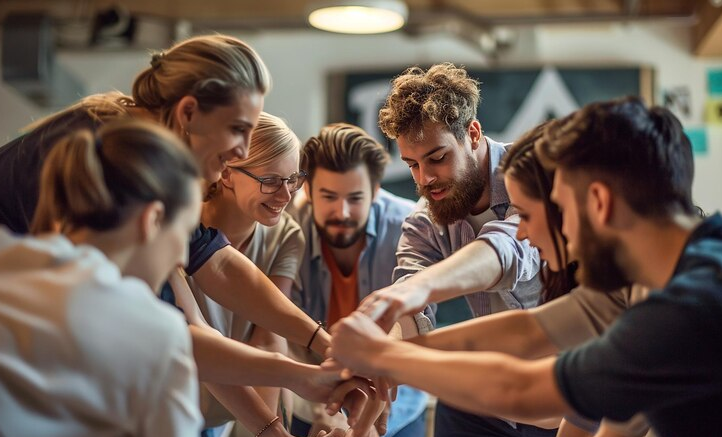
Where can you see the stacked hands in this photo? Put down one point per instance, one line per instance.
(357, 342)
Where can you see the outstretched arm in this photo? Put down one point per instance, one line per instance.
(236, 283)
(516, 332)
(484, 383)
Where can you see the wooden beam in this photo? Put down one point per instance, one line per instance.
(707, 33)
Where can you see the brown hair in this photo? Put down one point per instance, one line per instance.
(443, 94)
(339, 147)
(642, 154)
(521, 163)
(96, 181)
(211, 68)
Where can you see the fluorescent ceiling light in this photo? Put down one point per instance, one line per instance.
(359, 17)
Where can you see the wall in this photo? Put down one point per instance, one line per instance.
(301, 60)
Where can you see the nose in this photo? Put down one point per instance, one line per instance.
(283, 194)
(426, 176)
(343, 209)
(521, 233)
(238, 152)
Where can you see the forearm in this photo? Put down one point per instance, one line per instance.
(474, 267)
(269, 342)
(225, 361)
(236, 283)
(515, 332)
(244, 403)
(484, 383)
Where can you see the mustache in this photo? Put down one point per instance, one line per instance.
(425, 190)
(344, 223)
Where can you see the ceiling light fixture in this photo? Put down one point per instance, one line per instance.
(359, 16)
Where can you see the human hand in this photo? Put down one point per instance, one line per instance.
(387, 305)
(355, 342)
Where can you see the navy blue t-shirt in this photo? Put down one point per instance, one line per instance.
(203, 244)
(663, 357)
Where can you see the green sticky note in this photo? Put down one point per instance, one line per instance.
(698, 138)
(714, 82)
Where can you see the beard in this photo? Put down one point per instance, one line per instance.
(600, 259)
(341, 240)
(464, 192)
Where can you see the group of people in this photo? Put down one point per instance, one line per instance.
(295, 296)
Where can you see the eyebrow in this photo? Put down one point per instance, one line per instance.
(243, 123)
(430, 152)
(325, 191)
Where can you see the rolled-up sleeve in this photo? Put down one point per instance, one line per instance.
(519, 260)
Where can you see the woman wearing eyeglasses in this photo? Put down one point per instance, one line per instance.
(247, 204)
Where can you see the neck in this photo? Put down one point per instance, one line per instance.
(347, 258)
(222, 213)
(482, 159)
(658, 247)
(116, 245)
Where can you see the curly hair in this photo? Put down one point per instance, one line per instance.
(442, 94)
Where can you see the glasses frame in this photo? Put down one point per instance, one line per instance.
(301, 174)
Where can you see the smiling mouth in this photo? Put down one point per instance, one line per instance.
(274, 209)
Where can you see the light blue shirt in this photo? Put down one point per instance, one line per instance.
(375, 265)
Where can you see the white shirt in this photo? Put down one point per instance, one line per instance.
(84, 351)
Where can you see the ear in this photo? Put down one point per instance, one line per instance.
(185, 111)
(475, 133)
(226, 178)
(599, 203)
(375, 191)
(151, 220)
(307, 189)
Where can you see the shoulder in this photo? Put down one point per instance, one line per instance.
(391, 206)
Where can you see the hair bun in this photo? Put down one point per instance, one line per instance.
(156, 59)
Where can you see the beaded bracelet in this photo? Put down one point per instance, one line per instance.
(308, 346)
(268, 425)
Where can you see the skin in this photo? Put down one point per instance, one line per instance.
(341, 204)
(214, 137)
(221, 134)
(438, 160)
(497, 384)
(533, 224)
(146, 246)
(235, 210)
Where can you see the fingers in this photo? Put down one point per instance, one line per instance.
(383, 420)
(351, 392)
(394, 392)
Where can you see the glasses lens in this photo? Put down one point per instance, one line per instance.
(271, 185)
(297, 182)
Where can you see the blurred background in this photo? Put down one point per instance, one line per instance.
(536, 59)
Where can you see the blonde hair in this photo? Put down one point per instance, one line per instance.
(272, 140)
(97, 181)
(98, 107)
(211, 68)
(442, 94)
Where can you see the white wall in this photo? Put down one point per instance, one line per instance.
(301, 60)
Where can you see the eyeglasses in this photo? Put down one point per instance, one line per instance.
(271, 184)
